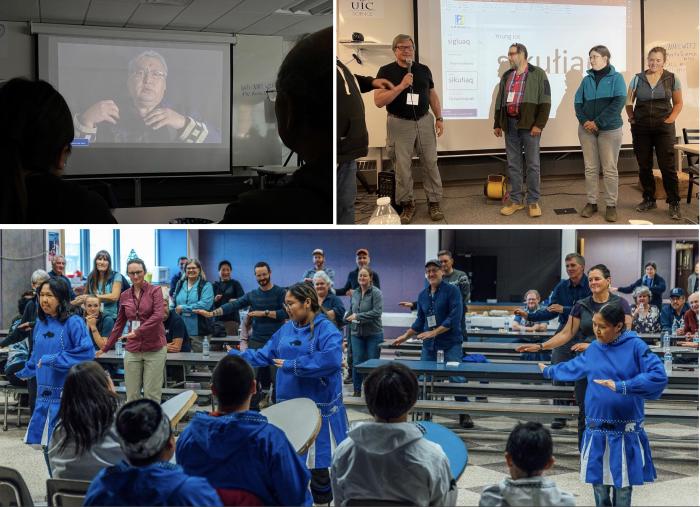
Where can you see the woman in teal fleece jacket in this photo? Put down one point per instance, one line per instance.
(599, 101)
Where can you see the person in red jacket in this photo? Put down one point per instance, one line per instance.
(141, 313)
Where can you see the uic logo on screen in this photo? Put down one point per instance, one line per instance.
(362, 6)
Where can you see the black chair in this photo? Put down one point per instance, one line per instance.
(691, 136)
(65, 492)
(13, 489)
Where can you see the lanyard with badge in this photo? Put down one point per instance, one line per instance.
(430, 318)
(412, 99)
(511, 93)
(135, 324)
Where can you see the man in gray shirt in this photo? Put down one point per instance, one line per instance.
(455, 277)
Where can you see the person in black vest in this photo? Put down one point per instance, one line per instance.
(654, 101)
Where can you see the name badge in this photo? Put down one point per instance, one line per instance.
(511, 97)
(412, 99)
(431, 321)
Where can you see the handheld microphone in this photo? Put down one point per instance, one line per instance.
(410, 64)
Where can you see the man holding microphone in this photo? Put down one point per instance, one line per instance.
(409, 125)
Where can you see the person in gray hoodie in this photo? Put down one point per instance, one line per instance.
(528, 455)
(388, 459)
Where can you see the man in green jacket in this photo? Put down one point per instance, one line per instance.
(522, 109)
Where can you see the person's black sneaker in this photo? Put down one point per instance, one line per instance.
(356, 394)
(674, 209)
(558, 424)
(347, 380)
(465, 421)
(646, 205)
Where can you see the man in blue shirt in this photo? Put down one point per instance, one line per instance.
(266, 309)
(182, 263)
(561, 301)
(673, 312)
(439, 322)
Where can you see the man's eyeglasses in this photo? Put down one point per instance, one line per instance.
(142, 73)
(404, 48)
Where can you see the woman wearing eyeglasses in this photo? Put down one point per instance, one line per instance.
(141, 314)
(193, 292)
(307, 350)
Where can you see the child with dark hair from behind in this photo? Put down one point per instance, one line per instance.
(248, 460)
(388, 459)
(528, 455)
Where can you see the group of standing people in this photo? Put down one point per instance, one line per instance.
(652, 101)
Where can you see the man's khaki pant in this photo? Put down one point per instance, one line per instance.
(402, 137)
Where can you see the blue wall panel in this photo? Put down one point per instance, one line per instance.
(396, 255)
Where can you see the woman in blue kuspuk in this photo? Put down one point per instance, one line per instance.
(622, 372)
(60, 341)
(307, 349)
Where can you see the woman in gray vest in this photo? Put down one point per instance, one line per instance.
(579, 329)
(365, 318)
(654, 101)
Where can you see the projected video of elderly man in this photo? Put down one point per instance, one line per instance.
(143, 116)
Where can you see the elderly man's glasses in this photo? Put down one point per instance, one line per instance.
(140, 74)
(404, 48)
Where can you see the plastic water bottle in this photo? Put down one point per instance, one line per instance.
(668, 362)
(205, 347)
(384, 213)
(119, 348)
(507, 325)
(468, 321)
(666, 343)
(440, 356)
(674, 327)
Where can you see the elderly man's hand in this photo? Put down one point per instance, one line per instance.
(162, 117)
(104, 110)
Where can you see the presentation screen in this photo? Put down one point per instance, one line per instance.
(465, 43)
(142, 107)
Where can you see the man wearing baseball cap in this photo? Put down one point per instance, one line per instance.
(319, 265)
(362, 260)
(673, 312)
(439, 322)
